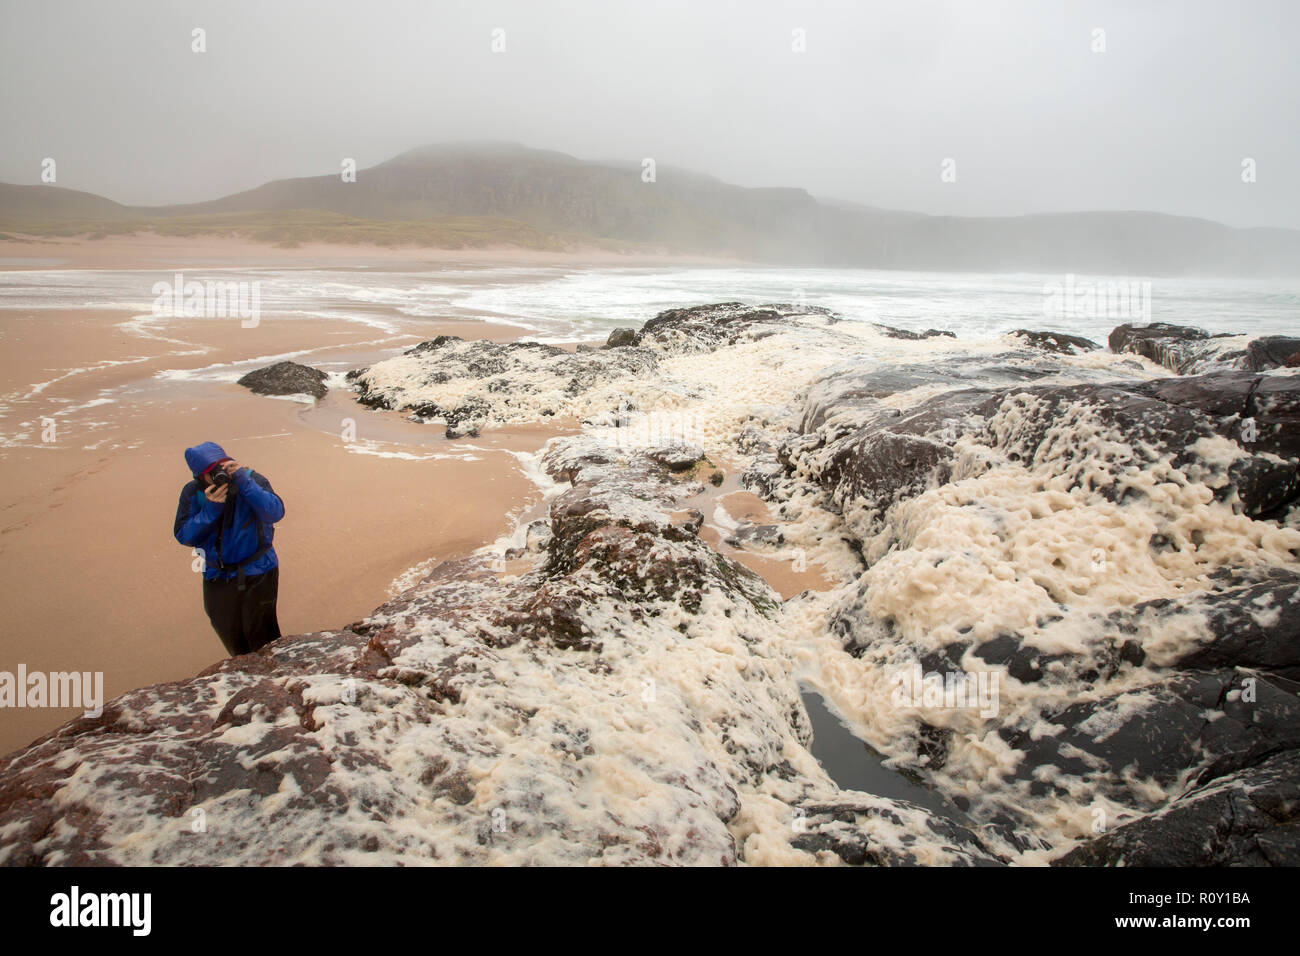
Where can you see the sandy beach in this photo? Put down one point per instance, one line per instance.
(94, 580)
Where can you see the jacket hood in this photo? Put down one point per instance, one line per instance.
(203, 456)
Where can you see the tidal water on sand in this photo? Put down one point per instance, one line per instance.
(571, 303)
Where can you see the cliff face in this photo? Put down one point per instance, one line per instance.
(1104, 545)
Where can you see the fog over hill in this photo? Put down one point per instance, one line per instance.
(690, 212)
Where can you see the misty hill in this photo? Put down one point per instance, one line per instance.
(553, 193)
(43, 203)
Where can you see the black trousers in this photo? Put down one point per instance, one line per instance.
(244, 620)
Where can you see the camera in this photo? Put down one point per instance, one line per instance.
(219, 478)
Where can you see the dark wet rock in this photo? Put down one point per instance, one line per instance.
(1204, 725)
(1256, 355)
(491, 383)
(694, 521)
(1168, 417)
(871, 455)
(537, 535)
(708, 327)
(1176, 347)
(1188, 350)
(1193, 718)
(1273, 408)
(1251, 621)
(893, 333)
(763, 476)
(1270, 352)
(932, 747)
(286, 378)
(1025, 664)
(853, 389)
(459, 428)
(759, 536)
(677, 456)
(946, 660)
(757, 438)
(883, 467)
(1059, 342)
(1247, 818)
(1021, 661)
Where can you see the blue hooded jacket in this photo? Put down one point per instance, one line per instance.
(250, 504)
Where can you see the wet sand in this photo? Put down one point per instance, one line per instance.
(94, 579)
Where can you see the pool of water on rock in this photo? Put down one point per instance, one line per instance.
(855, 766)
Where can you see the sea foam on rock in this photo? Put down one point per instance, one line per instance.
(628, 700)
(1118, 546)
(1000, 526)
(1188, 350)
(1247, 818)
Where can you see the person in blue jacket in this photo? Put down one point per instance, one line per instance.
(227, 513)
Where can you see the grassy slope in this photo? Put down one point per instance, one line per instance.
(294, 227)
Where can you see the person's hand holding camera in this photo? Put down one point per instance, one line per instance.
(219, 484)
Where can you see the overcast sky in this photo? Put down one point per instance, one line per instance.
(1035, 120)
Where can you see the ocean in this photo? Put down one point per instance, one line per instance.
(584, 304)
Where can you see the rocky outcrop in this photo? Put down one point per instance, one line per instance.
(1248, 818)
(626, 699)
(706, 328)
(470, 385)
(894, 333)
(1188, 350)
(1271, 351)
(286, 378)
(474, 385)
(1058, 342)
(1090, 566)
(869, 455)
(1252, 621)
(1196, 725)
(1005, 526)
(554, 716)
